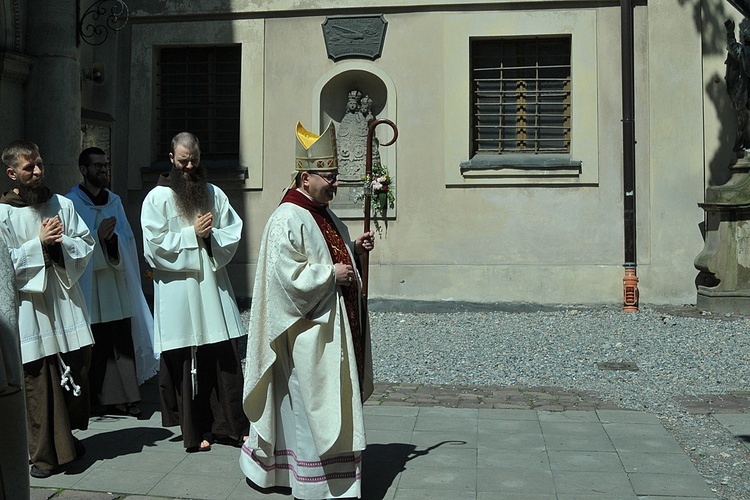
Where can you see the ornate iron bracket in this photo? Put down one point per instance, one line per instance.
(94, 31)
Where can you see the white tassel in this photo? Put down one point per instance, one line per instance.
(66, 379)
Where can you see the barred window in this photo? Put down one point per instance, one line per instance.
(520, 98)
(198, 90)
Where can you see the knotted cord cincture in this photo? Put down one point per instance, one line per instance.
(66, 378)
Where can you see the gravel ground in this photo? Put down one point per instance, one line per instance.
(678, 353)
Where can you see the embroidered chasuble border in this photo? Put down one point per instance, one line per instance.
(321, 478)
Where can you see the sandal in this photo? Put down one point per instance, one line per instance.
(41, 473)
(230, 440)
(204, 446)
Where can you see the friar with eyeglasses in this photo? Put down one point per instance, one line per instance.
(122, 357)
(190, 234)
(311, 369)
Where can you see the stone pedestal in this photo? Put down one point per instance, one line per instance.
(724, 263)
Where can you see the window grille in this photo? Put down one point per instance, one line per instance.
(520, 96)
(198, 91)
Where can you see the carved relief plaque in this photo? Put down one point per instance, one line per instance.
(354, 36)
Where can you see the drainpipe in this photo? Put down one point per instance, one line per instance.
(630, 281)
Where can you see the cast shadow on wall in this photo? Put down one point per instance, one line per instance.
(709, 20)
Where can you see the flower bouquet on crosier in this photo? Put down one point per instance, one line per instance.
(380, 187)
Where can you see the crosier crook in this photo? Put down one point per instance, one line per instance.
(368, 197)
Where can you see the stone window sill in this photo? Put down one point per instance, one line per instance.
(521, 166)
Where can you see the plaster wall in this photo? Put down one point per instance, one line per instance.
(483, 241)
(676, 155)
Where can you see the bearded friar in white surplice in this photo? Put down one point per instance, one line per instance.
(190, 234)
(50, 247)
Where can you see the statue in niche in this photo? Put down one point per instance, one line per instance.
(351, 138)
(366, 109)
(738, 84)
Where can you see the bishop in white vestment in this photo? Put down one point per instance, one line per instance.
(308, 369)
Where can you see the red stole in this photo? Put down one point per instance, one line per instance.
(339, 254)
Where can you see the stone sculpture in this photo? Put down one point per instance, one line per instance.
(351, 138)
(738, 84)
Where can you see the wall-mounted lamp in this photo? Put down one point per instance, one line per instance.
(92, 30)
(95, 73)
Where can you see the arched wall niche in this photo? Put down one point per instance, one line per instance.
(333, 94)
(329, 104)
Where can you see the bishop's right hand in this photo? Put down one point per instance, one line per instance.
(344, 274)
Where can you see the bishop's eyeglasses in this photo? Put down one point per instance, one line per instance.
(329, 178)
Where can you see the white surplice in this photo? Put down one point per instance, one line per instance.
(117, 292)
(185, 275)
(52, 313)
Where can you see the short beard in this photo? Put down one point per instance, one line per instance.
(96, 181)
(192, 196)
(33, 195)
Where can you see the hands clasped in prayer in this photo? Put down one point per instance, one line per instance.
(50, 234)
(51, 231)
(203, 224)
(107, 229)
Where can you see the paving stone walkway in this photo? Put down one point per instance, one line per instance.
(426, 442)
